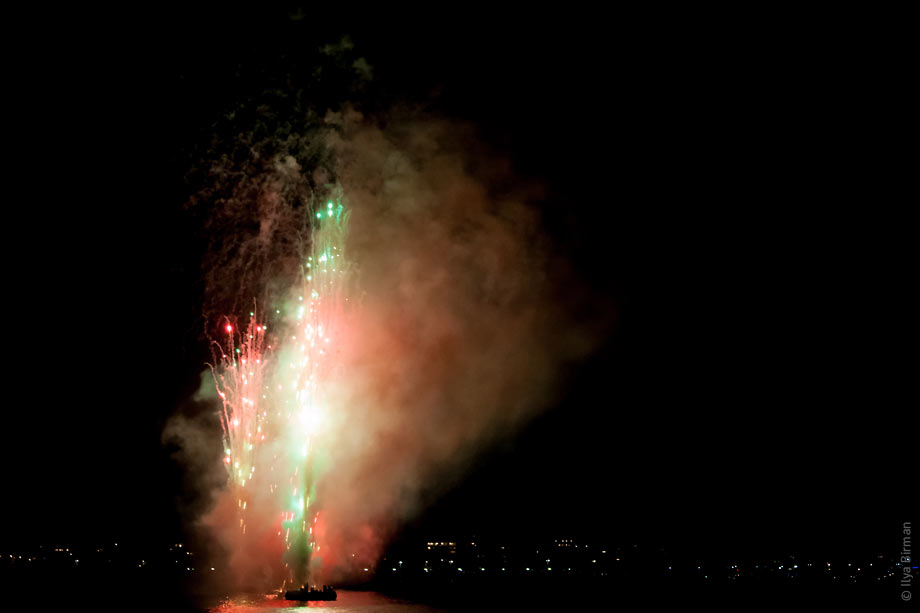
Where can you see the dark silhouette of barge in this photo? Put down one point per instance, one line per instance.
(304, 594)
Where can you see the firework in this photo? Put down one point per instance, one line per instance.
(274, 389)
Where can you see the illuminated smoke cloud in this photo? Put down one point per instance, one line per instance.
(448, 332)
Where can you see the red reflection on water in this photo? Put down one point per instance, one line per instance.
(347, 601)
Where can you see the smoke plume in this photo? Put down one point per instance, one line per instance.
(460, 316)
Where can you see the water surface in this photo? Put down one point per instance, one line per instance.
(348, 601)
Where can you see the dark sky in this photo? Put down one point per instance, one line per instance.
(730, 191)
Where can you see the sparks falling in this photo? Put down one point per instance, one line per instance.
(273, 381)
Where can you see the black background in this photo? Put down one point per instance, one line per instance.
(727, 184)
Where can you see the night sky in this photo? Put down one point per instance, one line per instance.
(728, 194)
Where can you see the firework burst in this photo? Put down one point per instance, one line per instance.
(275, 395)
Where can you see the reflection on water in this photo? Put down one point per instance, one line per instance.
(363, 602)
